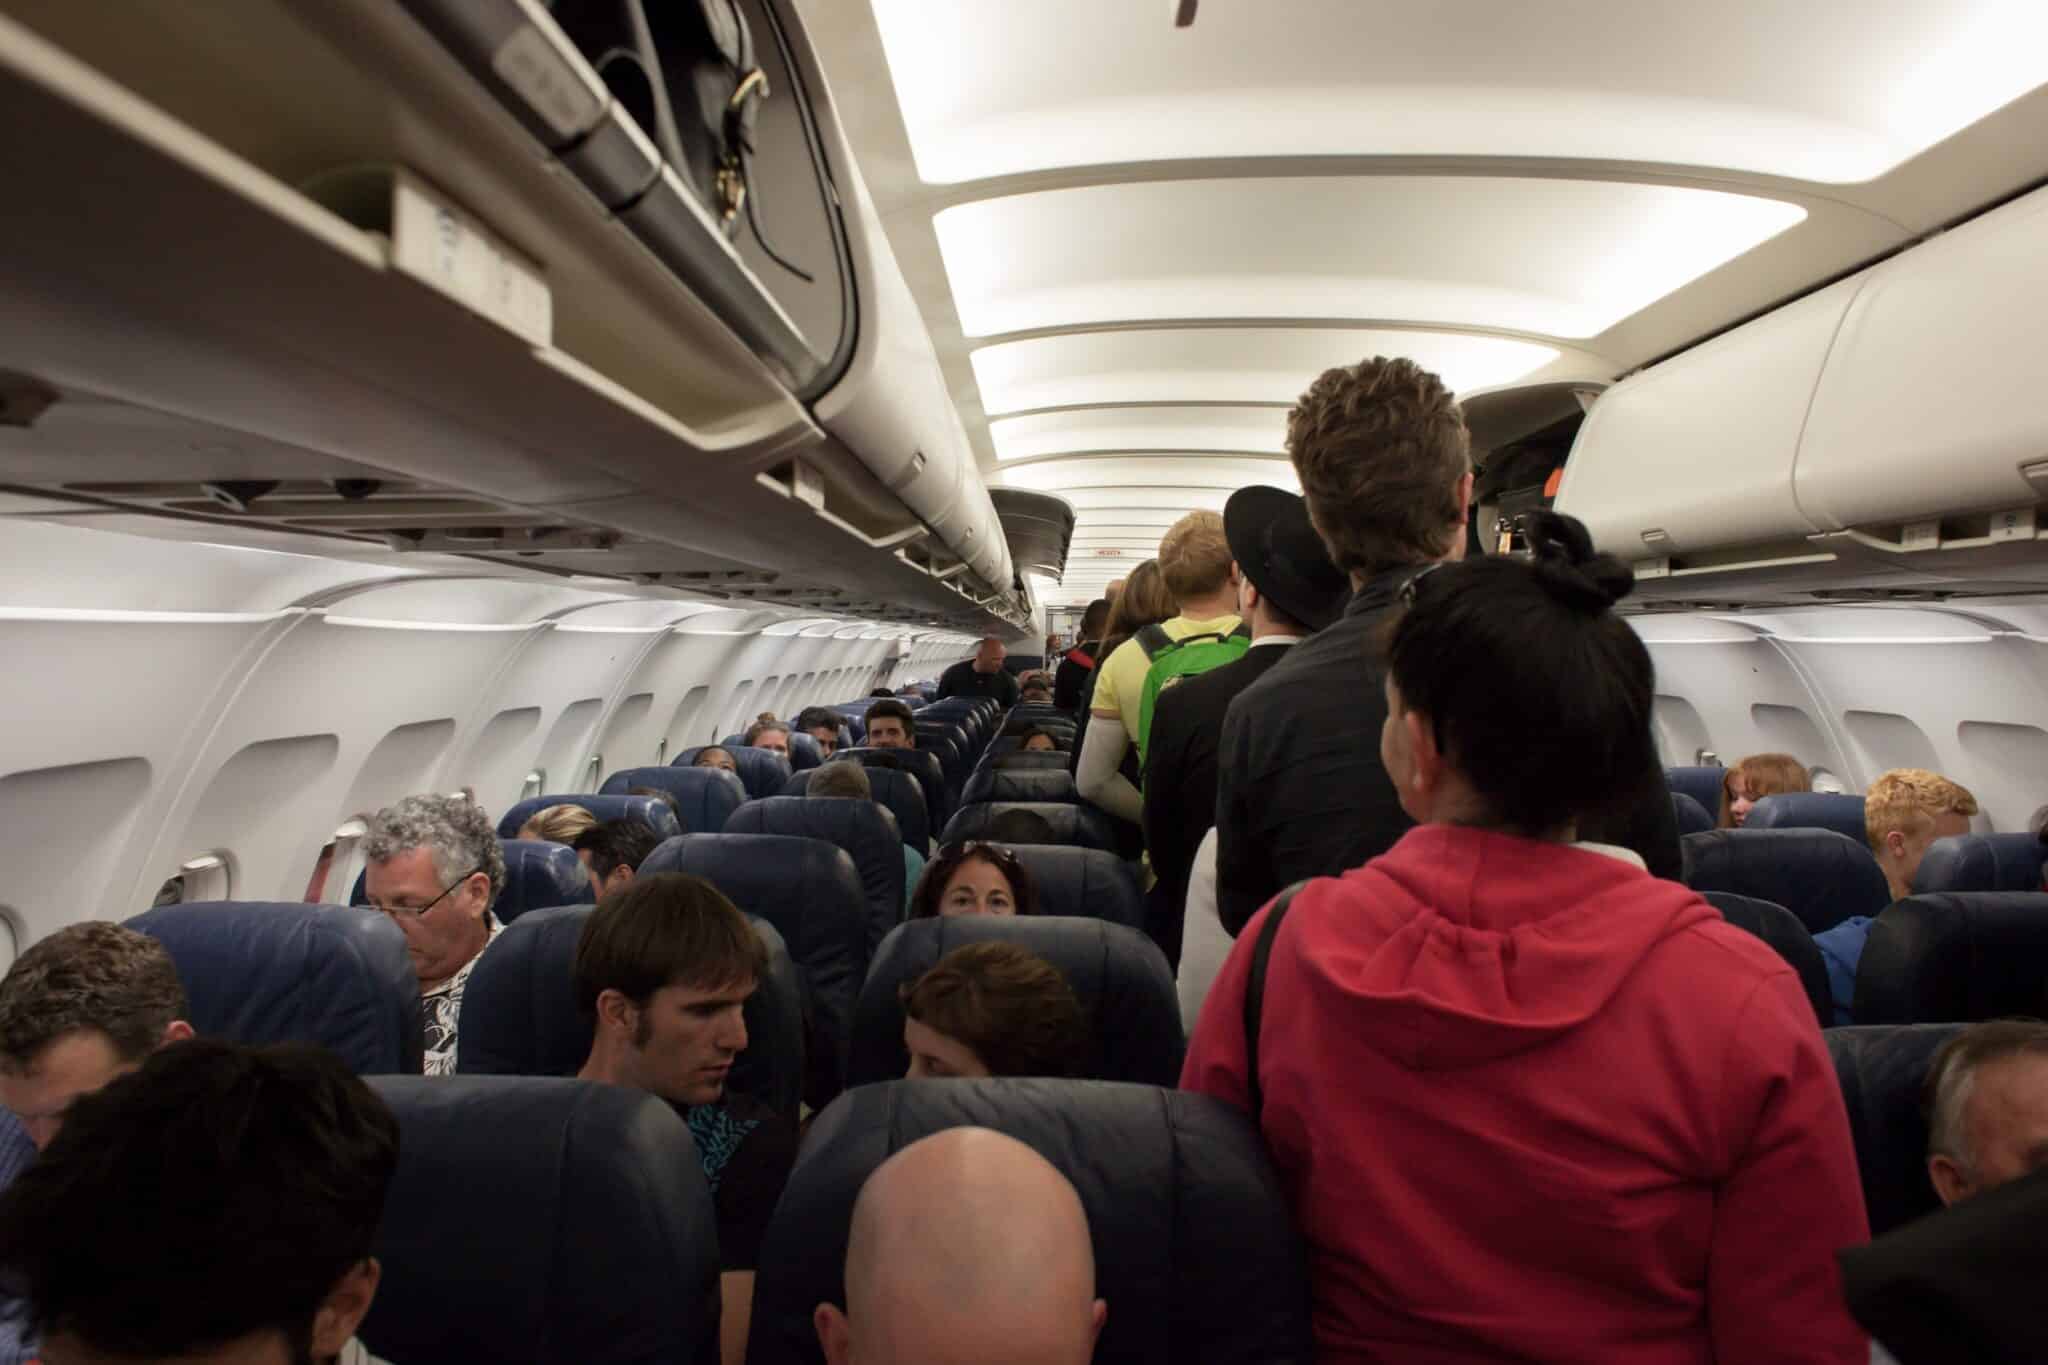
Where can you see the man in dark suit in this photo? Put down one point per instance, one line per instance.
(1287, 589)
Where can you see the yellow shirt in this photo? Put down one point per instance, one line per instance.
(1120, 681)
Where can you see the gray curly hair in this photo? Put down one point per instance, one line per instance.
(454, 828)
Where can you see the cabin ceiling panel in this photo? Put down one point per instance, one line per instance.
(1174, 428)
(1172, 478)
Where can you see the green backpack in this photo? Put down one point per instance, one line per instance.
(1175, 661)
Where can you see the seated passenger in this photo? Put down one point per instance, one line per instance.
(890, 726)
(1038, 741)
(1756, 777)
(822, 724)
(434, 866)
(664, 967)
(882, 692)
(974, 878)
(1904, 812)
(769, 733)
(1652, 1159)
(966, 1246)
(218, 1207)
(993, 1009)
(850, 782)
(716, 756)
(1987, 1108)
(561, 824)
(611, 852)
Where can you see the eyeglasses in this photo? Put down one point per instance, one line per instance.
(402, 911)
(1408, 589)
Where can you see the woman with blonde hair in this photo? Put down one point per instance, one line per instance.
(562, 824)
(1756, 777)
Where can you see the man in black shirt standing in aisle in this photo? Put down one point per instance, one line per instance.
(665, 967)
(981, 676)
(1077, 663)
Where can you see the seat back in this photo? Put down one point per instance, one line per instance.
(1195, 1250)
(648, 810)
(762, 772)
(1810, 810)
(1119, 974)
(925, 767)
(1958, 957)
(1780, 928)
(1692, 817)
(542, 1220)
(1819, 875)
(1002, 746)
(1883, 1072)
(1018, 761)
(263, 972)
(1981, 862)
(808, 890)
(1004, 784)
(804, 752)
(1701, 784)
(865, 829)
(1079, 826)
(539, 874)
(1082, 883)
(520, 1017)
(705, 797)
(902, 793)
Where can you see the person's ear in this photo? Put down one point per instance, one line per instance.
(835, 1334)
(1425, 763)
(1950, 1181)
(344, 1309)
(1895, 843)
(1099, 1317)
(614, 1010)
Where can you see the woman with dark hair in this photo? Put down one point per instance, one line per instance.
(716, 756)
(974, 878)
(993, 1009)
(1037, 740)
(1526, 1099)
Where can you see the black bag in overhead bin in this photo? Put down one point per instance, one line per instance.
(685, 71)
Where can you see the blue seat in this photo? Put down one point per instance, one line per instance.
(1082, 883)
(520, 1018)
(1020, 784)
(1810, 810)
(1981, 862)
(865, 829)
(1701, 784)
(1079, 826)
(705, 797)
(648, 810)
(761, 771)
(1016, 761)
(804, 753)
(1003, 746)
(1119, 974)
(543, 1220)
(1195, 1250)
(1956, 957)
(1883, 1072)
(808, 890)
(264, 972)
(1819, 875)
(925, 767)
(1692, 817)
(539, 874)
(1780, 928)
(894, 788)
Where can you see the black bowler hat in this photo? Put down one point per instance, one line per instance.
(1279, 551)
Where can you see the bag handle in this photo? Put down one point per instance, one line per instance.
(1255, 997)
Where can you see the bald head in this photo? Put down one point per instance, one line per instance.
(966, 1246)
(989, 657)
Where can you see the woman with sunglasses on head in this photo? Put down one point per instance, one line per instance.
(974, 878)
(1528, 1100)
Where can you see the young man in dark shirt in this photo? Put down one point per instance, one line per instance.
(981, 676)
(665, 967)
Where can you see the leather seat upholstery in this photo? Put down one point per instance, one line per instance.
(705, 797)
(1819, 875)
(1958, 957)
(919, 763)
(761, 771)
(1981, 862)
(899, 791)
(1883, 1072)
(1780, 928)
(865, 829)
(1701, 784)
(1003, 784)
(1082, 883)
(648, 810)
(539, 874)
(1080, 826)
(1692, 817)
(1811, 810)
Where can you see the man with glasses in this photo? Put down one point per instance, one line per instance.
(435, 867)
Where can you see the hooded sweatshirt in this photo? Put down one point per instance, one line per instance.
(1529, 1102)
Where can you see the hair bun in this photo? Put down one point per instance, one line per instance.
(1568, 566)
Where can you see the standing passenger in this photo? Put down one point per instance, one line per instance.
(1528, 1101)
(1077, 663)
(981, 676)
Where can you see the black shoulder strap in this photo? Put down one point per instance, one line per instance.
(1152, 639)
(1255, 997)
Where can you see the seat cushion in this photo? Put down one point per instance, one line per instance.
(1883, 1072)
(1005, 784)
(865, 829)
(1819, 875)
(705, 797)
(539, 874)
(648, 810)
(1960, 956)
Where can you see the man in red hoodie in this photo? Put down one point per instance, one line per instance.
(1526, 1100)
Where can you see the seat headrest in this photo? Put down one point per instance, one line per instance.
(648, 810)
(1819, 875)
(1692, 817)
(1701, 784)
(808, 890)
(1029, 784)
(1082, 883)
(1119, 974)
(1981, 862)
(1780, 928)
(1004, 745)
(865, 829)
(520, 1017)
(804, 752)
(1079, 826)
(704, 796)
(1195, 1251)
(922, 764)
(900, 791)
(1959, 956)
(1016, 760)
(539, 874)
(542, 1220)
(1810, 810)
(1882, 1072)
(762, 771)
(262, 972)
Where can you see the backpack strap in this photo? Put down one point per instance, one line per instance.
(1255, 996)
(1152, 639)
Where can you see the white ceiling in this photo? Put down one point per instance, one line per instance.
(1135, 245)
